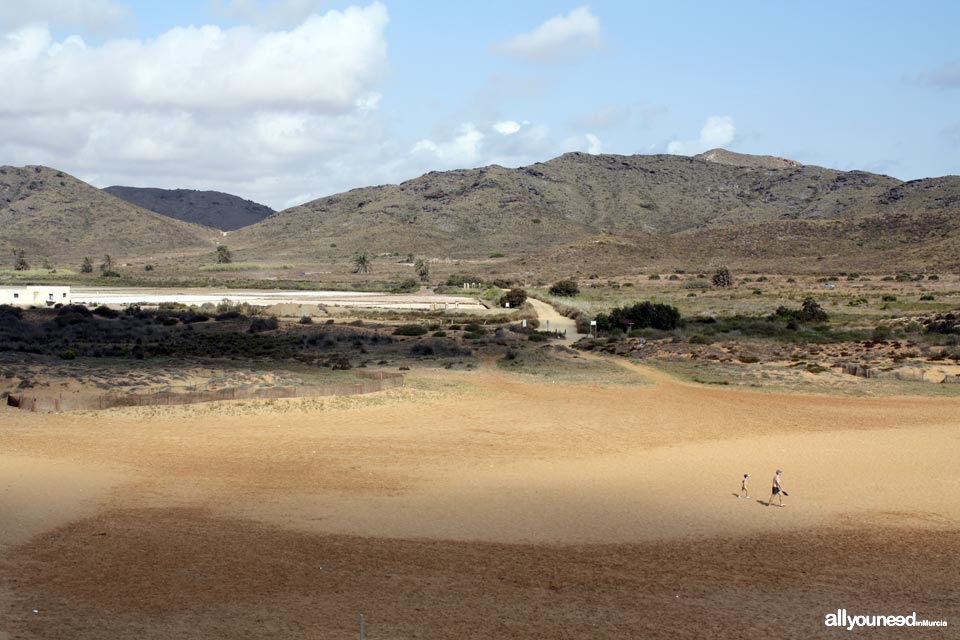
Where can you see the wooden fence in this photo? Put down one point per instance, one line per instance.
(372, 381)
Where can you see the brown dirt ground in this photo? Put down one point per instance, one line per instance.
(481, 505)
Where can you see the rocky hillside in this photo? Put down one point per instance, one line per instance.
(208, 208)
(722, 156)
(51, 215)
(576, 197)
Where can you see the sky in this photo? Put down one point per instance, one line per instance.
(285, 101)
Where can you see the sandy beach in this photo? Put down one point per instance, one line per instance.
(481, 504)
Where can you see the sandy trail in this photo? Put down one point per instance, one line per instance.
(413, 488)
(550, 320)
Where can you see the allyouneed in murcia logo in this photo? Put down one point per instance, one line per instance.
(850, 622)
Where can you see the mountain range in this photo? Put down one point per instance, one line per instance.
(594, 212)
(208, 208)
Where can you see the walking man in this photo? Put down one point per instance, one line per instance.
(777, 489)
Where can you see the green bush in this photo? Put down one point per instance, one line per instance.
(927, 297)
(700, 339)
(410, 330)
(459, 279)
(537, 337)
(306, 320)
(68, 355)
(406, 286)
(516, 298)
(565, 288)
(106, 312)
(889, 298)
(641, 315)
(809, 311)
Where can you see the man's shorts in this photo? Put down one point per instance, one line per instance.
(776, 490)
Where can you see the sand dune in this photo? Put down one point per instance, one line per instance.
(494, 505)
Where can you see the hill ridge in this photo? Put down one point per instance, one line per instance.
(214, 209)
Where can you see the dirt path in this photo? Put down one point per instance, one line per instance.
(551, 320)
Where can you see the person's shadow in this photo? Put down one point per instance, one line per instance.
(763, 502)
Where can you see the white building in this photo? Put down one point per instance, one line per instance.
(35, 296)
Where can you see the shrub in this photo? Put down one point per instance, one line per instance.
(515, 298)
(148, 267)
(565, 288)
(927, 297)
(439, 334)
(809, 311)
(881, 332)
(641, 315)
(933, 276)
(306, 320)
(405, 286)
(496, 254)
(459, 279)
(410, 330)
(68, 355)
(537, 337)
(700, 339)
(654, 276)
(722, 278)
(106, 312)
(889, 298)
(259, 325)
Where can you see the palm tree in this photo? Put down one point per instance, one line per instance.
(422, 269)
(361, 263)
(87, 265)
(107, 264)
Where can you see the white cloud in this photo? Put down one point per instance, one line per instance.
(719, 131)
(507, 127)
(559, 39)
(594, 145)
(462, 150)
(324, 64)
(94, 16)
(275, 13)
(263, 114)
